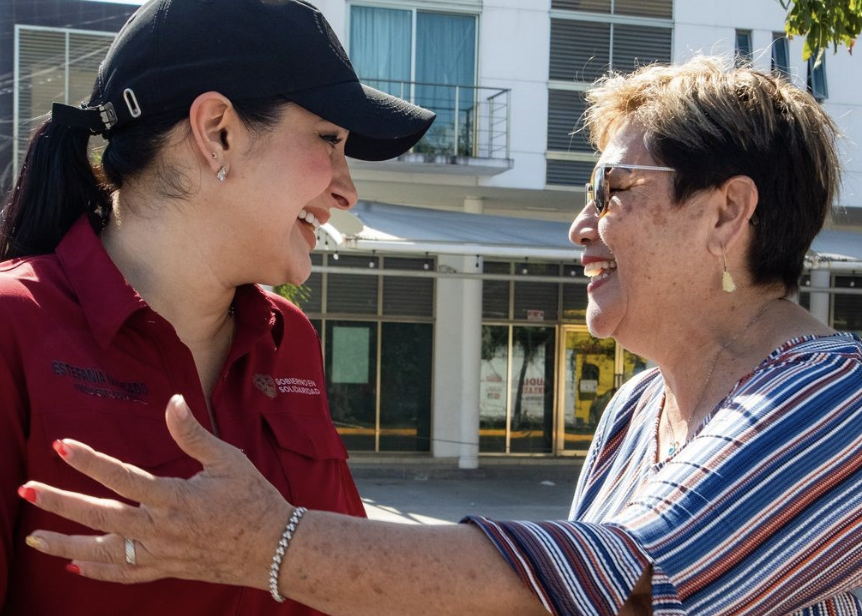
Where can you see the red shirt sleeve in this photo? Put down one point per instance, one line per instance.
(13, 432)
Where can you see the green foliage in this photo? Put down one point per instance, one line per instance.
(296, 294)
(823, 22)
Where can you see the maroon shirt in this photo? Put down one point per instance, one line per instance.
(82, 356)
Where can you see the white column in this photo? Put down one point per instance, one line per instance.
(820, 279)
(457, 362)
(471, 345)
(474, 205)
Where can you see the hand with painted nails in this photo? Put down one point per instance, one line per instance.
(224, 524)
(175, 531)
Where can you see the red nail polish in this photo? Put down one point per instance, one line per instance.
(60, 448)
(73, 569)
(28, 494)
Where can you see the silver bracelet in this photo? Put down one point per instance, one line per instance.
(283, 544)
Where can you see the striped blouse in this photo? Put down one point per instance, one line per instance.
(759, 513)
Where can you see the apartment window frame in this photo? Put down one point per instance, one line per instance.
(816, 79)
(779, 65)
(415, 9)
(576, 157)
(453, 93)
(743, 49)
(25, 125)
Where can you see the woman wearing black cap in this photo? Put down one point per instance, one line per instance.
(126, 281)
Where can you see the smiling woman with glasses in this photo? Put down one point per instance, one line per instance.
(726, 480)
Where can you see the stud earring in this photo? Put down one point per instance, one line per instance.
(727, 283)
(222, 174)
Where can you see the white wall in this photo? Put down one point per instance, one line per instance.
(513, 53)
(709, 27)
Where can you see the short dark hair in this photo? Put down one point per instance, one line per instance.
(711, 121)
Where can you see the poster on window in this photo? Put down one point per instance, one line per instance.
(350, 351)
(492, 388)
(528, 381)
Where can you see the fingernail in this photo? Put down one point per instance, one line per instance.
(28, 494)
(73, 569)
(35, 542)
(61, 449)
(181, 409)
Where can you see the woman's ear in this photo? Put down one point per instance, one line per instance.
(736, 202)
(215, 126)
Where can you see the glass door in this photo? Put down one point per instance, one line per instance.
(588, 380)
(591, 371)
(516, 392)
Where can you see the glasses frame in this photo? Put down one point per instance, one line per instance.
(596, 192)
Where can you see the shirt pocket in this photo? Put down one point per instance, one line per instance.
(134, 438)
(312, 457)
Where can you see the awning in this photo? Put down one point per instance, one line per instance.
(416, 230)
(400, 229)
(835, 245)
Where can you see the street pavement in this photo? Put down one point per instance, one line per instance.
(427, 491)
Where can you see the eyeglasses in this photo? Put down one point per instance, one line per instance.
(596, 191)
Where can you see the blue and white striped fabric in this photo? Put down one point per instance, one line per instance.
(760, 513)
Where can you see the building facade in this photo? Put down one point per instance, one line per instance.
(453, 318)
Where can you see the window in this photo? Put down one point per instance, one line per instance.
(523, 298)
(54, 65)
(817, 78)
(662, 9)
(424, 56)
(583, 47)
(516, 389)
(780, 55)
(743, 52)
(377, 327)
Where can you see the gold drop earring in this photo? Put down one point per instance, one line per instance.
(727, 283)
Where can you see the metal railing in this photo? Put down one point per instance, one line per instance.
(471, 121)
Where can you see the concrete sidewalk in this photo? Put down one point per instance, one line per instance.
(418, 490)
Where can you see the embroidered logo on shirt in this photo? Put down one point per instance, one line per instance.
(287, 385)
(96, 382)
(266, 384)
(293, 385)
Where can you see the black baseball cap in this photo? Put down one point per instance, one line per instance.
(171, 51)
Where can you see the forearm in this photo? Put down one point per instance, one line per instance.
(344, 566)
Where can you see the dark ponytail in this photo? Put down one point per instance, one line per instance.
(55, 187)
(57, 183)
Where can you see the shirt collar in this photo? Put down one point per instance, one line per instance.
(256, 314)
(108, 300)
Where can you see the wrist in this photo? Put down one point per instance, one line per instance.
(281, 551)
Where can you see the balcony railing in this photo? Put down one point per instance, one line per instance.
(471, 121)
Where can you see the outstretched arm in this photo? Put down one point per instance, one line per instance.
(223, 526)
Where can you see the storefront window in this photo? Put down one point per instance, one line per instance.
(378, 367)
(405, 387)
(351, 381)
(532, 418)
(494, 382)
(516, 409)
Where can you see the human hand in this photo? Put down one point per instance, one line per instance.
(221, 525)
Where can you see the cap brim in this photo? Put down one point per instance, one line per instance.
(381, 126)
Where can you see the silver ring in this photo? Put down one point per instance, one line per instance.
(131, 556)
